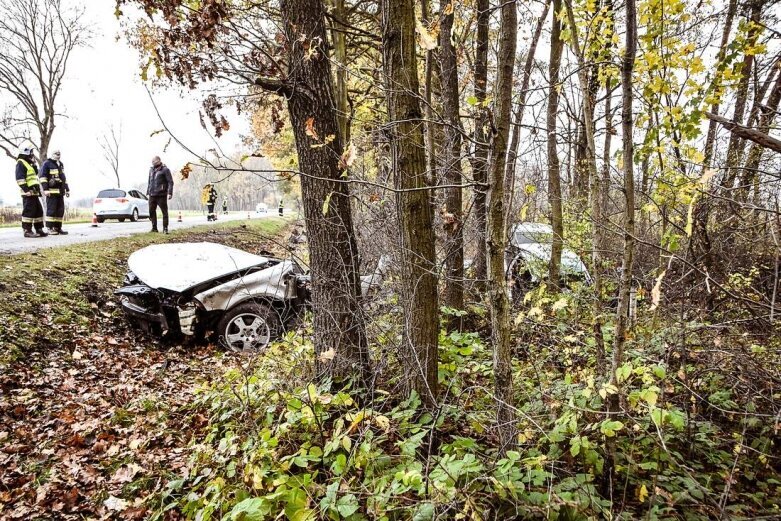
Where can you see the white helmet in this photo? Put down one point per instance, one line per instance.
(26, 151)
(55, 155)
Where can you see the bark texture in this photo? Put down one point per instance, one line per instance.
(453, 295)
(413, 199)
(480, 161)
(497, 238)
(554, 176)
(338, 318)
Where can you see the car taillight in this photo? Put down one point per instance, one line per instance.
(98, 201)
(121, 200)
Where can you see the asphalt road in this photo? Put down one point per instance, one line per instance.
(12, 241)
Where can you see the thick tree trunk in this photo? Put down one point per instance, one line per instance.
(338, 319)
(480, 161)
(497, 238)
(554, 175)
(453, 219)
(512, 154)
(419, 282)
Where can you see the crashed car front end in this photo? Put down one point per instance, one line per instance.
(186, 288)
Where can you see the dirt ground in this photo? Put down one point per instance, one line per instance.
(93, 416)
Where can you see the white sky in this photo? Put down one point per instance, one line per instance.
(103, 86)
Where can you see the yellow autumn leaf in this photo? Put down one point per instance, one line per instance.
(426, 38)
(642, 493)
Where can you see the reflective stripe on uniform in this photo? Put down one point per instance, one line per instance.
(21, 182)
(54, 191)
(27, 220)
(36, 220)
(54, 219)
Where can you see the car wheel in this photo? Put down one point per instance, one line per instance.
(101, 219)
(249, 327)
(134, 216)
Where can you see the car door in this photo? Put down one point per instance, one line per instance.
(143, 204)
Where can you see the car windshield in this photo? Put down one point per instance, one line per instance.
(111, 193)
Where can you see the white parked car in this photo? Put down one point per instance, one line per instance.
(261, 208)
(119, 204)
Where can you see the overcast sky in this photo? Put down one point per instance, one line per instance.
(103, 87)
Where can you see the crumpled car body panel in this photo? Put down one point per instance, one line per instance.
(269, 284)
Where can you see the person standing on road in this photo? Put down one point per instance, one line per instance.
(281, 207)
(210, 194)
(160, 190)
(225, 205)
(55, 187)
(27, 179)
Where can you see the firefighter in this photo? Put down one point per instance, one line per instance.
(225, 205)
(209, 195)
(281, 207)
(55, 187)
(27, 179)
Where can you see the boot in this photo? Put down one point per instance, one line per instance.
(153, 230)
(61, 231)
(28, 234)
(165, 231)
(54, 231)
(41, 233)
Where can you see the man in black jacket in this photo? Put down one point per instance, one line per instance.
(160, 189)
(55, 187)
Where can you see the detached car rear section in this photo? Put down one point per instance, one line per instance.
(196, 288)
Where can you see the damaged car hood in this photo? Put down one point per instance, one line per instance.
(179, 267)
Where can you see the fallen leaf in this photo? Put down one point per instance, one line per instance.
(116, 504)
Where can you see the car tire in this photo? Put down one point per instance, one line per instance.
(101, 219)
(249, 327)
(134, 215)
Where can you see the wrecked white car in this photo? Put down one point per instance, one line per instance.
(194, 288)
(528, 257)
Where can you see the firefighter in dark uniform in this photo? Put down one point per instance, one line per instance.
(211, 200)
(225, 205)
(55, 187)
(27, 179)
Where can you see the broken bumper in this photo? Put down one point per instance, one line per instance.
(144, 316)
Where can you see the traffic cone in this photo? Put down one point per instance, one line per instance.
(180, 217)
(94, 220)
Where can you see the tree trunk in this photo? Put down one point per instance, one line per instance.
(338, 319)
(735, 147)
(453, 219)
(512, 154)
(590, 164)
(768, 114)
(627, 66)
(340, 57)
(418, 280)
(480, 161)
(497, 238)
(554, 176)
(725, 39)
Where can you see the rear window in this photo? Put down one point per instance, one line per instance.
(111, 193)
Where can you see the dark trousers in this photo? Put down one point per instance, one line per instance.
(210, 209)
(155, 202)
(55, 211)
(32, 213)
